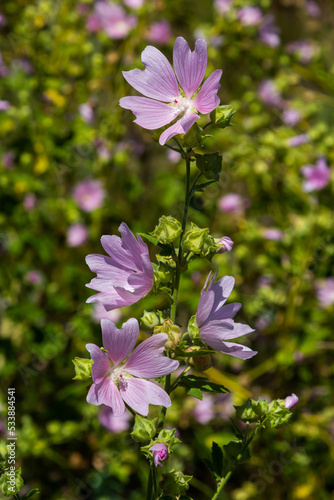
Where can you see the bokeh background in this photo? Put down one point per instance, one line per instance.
(73, 166)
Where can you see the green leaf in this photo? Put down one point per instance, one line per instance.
(184, 354)
(210, 164)
(200, 187)
(83, 368)
(195, 393)
(189, 382)
(31, 494)
(236, 429)
(217, 458)
(150, 238)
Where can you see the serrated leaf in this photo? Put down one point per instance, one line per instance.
(210, 164)
(236, 429)
(196, 393)
(192, 381)
(217, 458)
(209, 464)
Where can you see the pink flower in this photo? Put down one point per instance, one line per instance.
(8, 160)
(112, 18)
(99, 313)
(203, 411)
(127, 276)
(29, 201)
(116, 383)
(89, 194)
(223, 6)
(76, 235)
(269, 94)
(158, 83)
(227, 244)
(3, 20)
(4, 105)
(273, 234)
(325, 291)
(133, 4)
(269, 33)
(233, 203)
(159, 32)
(312, 8)
(298, 140)
(291, 117)
(87, 113)
(160, 453)
(250, 16)
(112, 423)
(291, 401)
(304, 50)
(34, 277)
(215, 320)
(317, 176)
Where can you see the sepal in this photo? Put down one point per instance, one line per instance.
(83, 368)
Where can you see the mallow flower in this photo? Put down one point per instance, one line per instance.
(214, 320)
(160, 453)
(124, 277)
(116, 382)
(316, 176)
(168, 95)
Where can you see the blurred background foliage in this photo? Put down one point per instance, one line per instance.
(61, 127)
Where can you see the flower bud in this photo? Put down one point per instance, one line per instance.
(160, 453)
(226, 244)
(3, 451)
(173, 332)
(199, 363)
(83, 368)
(143, 430)
(291, 401)
(199, 241)
(175, 483)
(151, 319)
(222, 116)
(167, 230)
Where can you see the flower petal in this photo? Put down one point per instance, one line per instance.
(207, 99)
(204, 306)
(101, 364)
(106, 393)
(148, 361)
(157, 80)
(150, 114)
(237, 350)
(139, 394)
(119, 343)
(105, 267)
(180, 127)
(189, 66)
(226, 312)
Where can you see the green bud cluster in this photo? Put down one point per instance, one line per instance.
(199, 241)
(175, 483)
(173, 332)
(272, 414)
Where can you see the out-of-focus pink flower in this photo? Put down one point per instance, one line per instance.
(76, 235)
(233, 203)
(112, 423)
(325, 291)
(133, 4)
(118, 383)
(303, 50)
(298, 140)
(203, 411)
(86, 113)
(312, 8)
(124, 278)
(291, 401)
(173, 156)
(99, 313)
(215, 322)
(273, 234)
(160, 453)
(3, 68)
(8, 160)
(164, 102)
(159, 32)
(112, 19)
(3, 20)
(4, 105)
(291, 117)
(29, 201)
(250, 16)
(269, 94)
(223, 6)
(317, 176)
(269, 32)
(89, 194)
(227, 244)
(34, 277)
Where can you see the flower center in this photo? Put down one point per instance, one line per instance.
(117, 375)
(182, 103)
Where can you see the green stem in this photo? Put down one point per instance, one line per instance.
(149, 486)
(154, 481)
(174, 385)
(237, 460)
